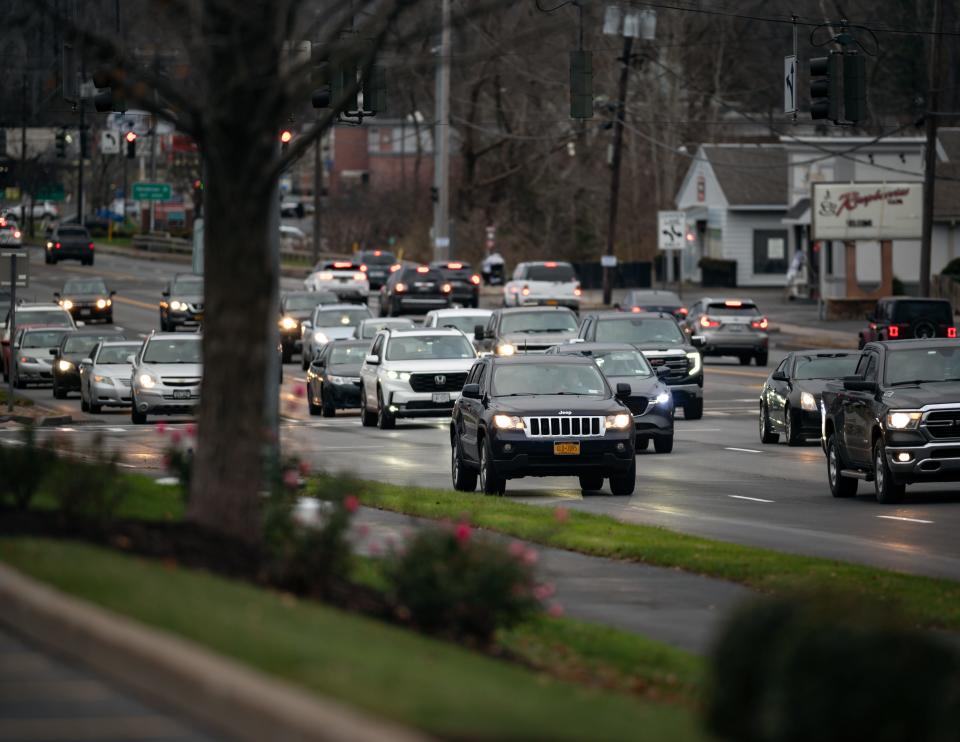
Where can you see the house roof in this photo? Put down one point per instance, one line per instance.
(798, 209)
(750, 175)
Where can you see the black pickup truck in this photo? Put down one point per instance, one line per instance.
(897, 421)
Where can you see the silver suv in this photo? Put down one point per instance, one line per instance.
(413, 373)
(166, 376)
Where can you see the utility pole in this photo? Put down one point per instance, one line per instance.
(153, 166)
(615, 162)
(930, 155)
(441, 143)
(83, 151)
(23, 155)
(317, 195)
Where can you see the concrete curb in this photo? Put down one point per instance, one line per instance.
(217, 692)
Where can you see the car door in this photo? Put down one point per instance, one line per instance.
(777, 393)
(470, 412)
(489, 335)
(368, 373)
(858, 414)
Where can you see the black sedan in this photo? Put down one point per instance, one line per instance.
(653, 300)
(463, 279)
(541, 416)
(333, 379)
(295, 307)
(73, 348)
(414, 290)
(87, 299)
(790, 398)
(182, 302)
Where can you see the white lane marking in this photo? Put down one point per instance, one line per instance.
(745, 399)
(67, 430)
(743, 450)
(128, 466)
(908, 520)
(118, 430)
(697, 430)
(717, 414)
(752, 499)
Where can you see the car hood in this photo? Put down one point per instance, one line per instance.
(914, 397)
(113, 370)
(434, 366)
(518, 339)
(552, 404)
(349, 369)
(660, 346)
(647, 387)
(186, 370)
(83, 297)
(338, 332)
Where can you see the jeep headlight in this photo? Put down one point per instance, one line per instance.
(64, 365)
(508, 422)
(66, 304)
(808, 402)
(147, 381)
(619, 421)
(695, 362)
(402, 375)
(903, 420)
(288, 323)
(506, 349)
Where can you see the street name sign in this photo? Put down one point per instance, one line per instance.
(866, 211)
(152, 191)
(671, 230)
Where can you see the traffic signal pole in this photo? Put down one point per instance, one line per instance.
(82, 143)
(441, 144)
(615, 163)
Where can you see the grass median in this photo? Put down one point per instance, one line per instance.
(386, 670)
(928, 601)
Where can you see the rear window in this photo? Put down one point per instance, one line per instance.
(72, 232)
(340, 265)
(913, 311)
(558, 272)
(384, 258)
(413, 275)
(340, 317)
(735, 308)
(54, 317)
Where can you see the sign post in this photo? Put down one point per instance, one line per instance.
(152, 191)
(19, 276)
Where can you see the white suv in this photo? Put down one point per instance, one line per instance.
(413, 373)
(543, 283)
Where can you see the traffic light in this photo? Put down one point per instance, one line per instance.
(286, 136)
(825, 87)
(131, 137)
(107, 99)
(581, 85)
(375, 90)
(61, 144)
(342, 76)
(320, 98)
(854, 87)
(3, 142)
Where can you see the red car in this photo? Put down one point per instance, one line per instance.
(909, 318)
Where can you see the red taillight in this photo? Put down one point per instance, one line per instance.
(16, 235)
(893, 331)
(683, 311)
(733, 303)
(395, 267)
(455, 266)
(377, 253)
(339, 264)
(446, 288)
(705, 321)
(951, 332)
(423, 269)
(363, 267)
(550, 264)
(760, 324)
(399, 288)
(475, 279)
(56, 245)
(90, 245)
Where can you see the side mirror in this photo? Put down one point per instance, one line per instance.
(779, 376)
(81, 323)
(623, 391)
(858, 384)
(373, 360)
(662, 371)
(53, 351)
(478, 332)
(471, 391)
(86, 362)
(56, 294)
(131, 360)
(306, 323)
(698, 341)
(113, 293)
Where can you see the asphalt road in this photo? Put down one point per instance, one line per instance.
(718, 482)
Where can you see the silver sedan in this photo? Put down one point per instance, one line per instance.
(105, 376)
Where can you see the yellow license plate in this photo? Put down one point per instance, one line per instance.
(552, 302)
(566, 449)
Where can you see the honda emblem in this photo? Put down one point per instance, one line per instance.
(439, 379)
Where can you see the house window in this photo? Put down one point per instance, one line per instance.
(769, 251)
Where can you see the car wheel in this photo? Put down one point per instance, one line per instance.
(94, 408)
(287, 354)
(889, 491)
(491, 483)
(327, 406)
(313, 408)
(623, 484)
(46, 257)
(840, 486)
(305, 361)
(693, 410)
(385, 421)
(761, 359)
(591, 482)
(84, 407)
(58, 393)
(18, 383)
(464, 479)
(663, 444)
(744, 360)
(790, 429)
(641, 444)
(367, 419)
(766, 433)
(137, 417)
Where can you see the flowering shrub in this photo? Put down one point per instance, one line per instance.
(23, 469)
(448, 581)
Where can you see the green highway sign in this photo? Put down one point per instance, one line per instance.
(152, 192)
(50, 192)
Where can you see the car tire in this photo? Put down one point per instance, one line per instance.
(94, 409)
(693, 410)
(313, 408)
(491, 483)
(744, 360)
(47, 258)
(137, 417)
(385, 421)
(367, 419)
(464, 479)
(622, 484)
(888, 490)
(84, 407)
(305, 361)
(18, 383)
(766, 432)
(790, 428)
(761, 359)
(58, 393)
(663, 444)
(641, 444)
(287, 354)
(327, 409)
(840, 486)
(591, 482)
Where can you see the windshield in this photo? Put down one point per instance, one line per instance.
(113, 354)
(520, 322)
(309, 301)
(426, 347)
(84, 287)
(825, 367)
(55, 317)
(49, 339)
(623, 363)
(173, 351)
(83, 343)
(736, 309)
(919, 365)
(372, 328)
(464, 323)
(548, 378)
(348, 354)
(189, 285)
(340, 317)
(560, 272)
(915, 311)
(636, 330)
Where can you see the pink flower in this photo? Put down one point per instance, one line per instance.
(304, 468)
(462, 533)
(161, 428)
(175, 437)
(561, 514)
(290, 478)
(555, 610)
(351, 503)
(190, 430)
(300, 391)
(363, 531)
(517, 549)
(530, 556)
(166, 462)
(544, 591)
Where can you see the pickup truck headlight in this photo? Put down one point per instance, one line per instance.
(620, 421)
(66, 304)
(903, 420)
(508, 422)
(694, 358)
(505, 349)
(808, 402)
